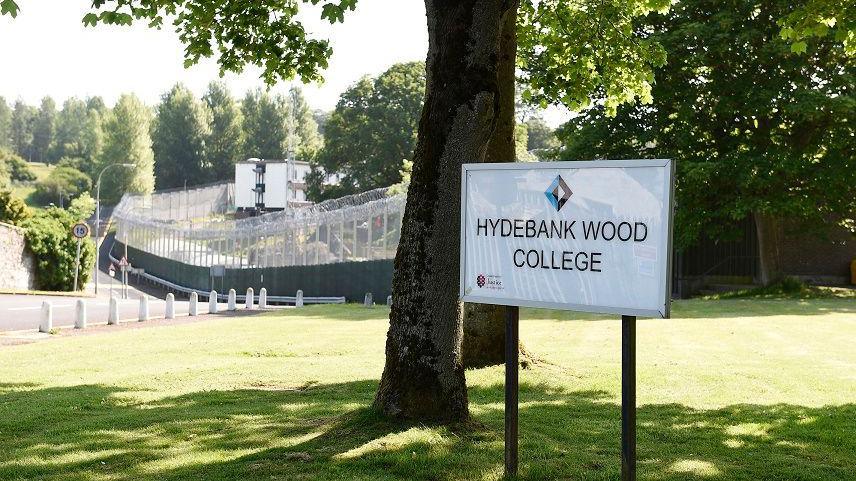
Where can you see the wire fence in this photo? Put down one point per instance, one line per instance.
(198, 227)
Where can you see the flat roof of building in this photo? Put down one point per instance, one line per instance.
(272, 161)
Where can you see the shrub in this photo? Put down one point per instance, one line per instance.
(12, 209)
(64, 181)
(54, 247)
(17, 168)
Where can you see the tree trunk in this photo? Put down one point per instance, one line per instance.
(769, 231)
(424, 374)
(484, 324)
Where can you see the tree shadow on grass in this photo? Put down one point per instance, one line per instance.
(327, 432)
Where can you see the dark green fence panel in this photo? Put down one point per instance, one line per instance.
(349, 279)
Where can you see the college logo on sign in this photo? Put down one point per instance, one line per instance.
(558, 193)
(480, 280)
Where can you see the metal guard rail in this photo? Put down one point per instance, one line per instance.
(238, 297)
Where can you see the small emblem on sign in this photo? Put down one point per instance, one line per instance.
(558, 193)
(480, 280)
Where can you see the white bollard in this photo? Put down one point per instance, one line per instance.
(262, 298)
(368, 302)
(232, 300)
(212, 303)
(249, 299)
(80, 315)
(389, 301)
(298, 301)
(113, 313)
(193, 308)
(144, 309)
(47, 317)
(169, 311)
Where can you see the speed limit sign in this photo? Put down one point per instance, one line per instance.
(80, 230)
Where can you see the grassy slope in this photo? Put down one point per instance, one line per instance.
(25, 190)
(737, 390)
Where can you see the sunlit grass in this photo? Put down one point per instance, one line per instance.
(728, 389)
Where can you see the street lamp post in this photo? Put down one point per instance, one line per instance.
(98, 218)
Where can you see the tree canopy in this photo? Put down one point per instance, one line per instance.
(758, 129)
(179, 134)
(127, 140)
(369, 134)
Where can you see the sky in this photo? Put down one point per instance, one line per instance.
(46, 50)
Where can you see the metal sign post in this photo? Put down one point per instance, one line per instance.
(581, 236)
(79, 231)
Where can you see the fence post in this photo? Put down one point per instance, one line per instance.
(212, 303)
(298, 301)
(144, 308)
(169, 311)
(46, 323)
(368, 302)
(80, 315)
(113, 312)
(249, 298)
(232, 297)
(193, 308)
(389, 300)
(262, 298)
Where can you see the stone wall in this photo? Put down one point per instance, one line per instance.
(17, 266)
(819, 258)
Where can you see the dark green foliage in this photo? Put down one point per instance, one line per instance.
(79, 133)
(44, 129)
(5, 124)
(17, 168)
(54, 247)
(787, 288)
(225, 143)
(371, 131)
(180, 130)
(754, 127)
(12, 209)
(265, 125)
(540, 136)
(64, 181)
(266, 34)
(21, 129)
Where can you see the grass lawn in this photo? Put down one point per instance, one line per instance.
(24, 190)
(728, 390)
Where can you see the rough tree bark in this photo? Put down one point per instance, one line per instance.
(424, 375)
(770, 235)
(484, 324)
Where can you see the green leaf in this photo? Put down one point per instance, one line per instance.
(9, 7)
(90, 20)
(798, 47)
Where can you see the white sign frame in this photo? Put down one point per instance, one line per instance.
(663, 312)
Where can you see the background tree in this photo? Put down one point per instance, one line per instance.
(5, 124)
(371, 131)
(225, 143)
(127, 140)
(304, 138)
(758, 130)
(79, 133)
(180, 130)
(539, 135)
(23, 117)
(265, 125)
(44, 128)
(15, 167)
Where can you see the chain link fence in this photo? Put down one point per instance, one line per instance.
(198, 227)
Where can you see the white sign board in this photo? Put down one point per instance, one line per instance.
(591, 236)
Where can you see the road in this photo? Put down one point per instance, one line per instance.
(21, 312)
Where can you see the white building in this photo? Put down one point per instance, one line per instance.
(270, 185)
